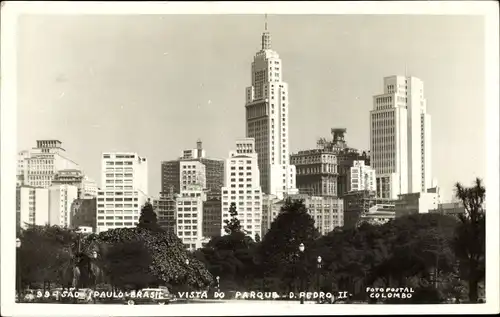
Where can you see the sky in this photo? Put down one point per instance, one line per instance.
(154, 84)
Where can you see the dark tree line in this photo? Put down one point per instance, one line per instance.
(442, 257)
(127, 258)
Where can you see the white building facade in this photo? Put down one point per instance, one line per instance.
(192, 173)
(267, 121)
(87, 188)
(32, 206)
(362, 177)
(38, 166)
(242, 187)
(124, 190)
(400, 142)
(61, 198)
(189, 216)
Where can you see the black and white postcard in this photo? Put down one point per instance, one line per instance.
(249, 158)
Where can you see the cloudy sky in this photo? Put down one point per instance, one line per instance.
(155, 84)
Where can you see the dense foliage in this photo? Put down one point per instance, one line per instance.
(127, 257)
(441, 257)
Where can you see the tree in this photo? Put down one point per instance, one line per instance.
(257, 238)
(47, 255)
(471, 234)
(167, 252)
(148, 219)
(128, 265)
(233, 225)
(279, 248)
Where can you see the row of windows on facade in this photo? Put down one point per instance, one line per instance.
(115, 224)
(118, 199)
(109, 163)
(117, 193)
(117, 205)
(253, 208)
(240, 197)
(119, 181)
(120, 174)
(117, 217)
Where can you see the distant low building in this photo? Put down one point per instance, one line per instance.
(378, 215)
(416, 203)
(358, 203)
(452, 209)
(84, 229)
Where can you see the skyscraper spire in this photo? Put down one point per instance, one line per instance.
(266, 37)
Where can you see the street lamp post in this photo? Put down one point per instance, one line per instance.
(302, 248)
(187, 281)
(94, 256)
(319, 259)
(18, 246)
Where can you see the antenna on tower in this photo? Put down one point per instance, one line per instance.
(265, 24)
(406, 69)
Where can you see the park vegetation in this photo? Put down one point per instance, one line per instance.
(441, 257)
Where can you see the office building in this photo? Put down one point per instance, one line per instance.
(165, 208)
(32, 206)
(38, 166)
(189, 216)
(83, 214)
(61, 197)
(362, 177)
(400, 143)
(212, 170)
(212, 218)
(345, 158)
(316, 172)
(327, 211)
(267, 118)
(242, 187)
(124, 190)
(87, 188)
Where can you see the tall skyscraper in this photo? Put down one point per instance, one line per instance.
(242, 187)
(124, 188)
(267, 121)
(400, 142)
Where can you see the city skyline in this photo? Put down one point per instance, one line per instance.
(324, 88)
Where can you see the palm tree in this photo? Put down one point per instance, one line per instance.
(470, 238)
